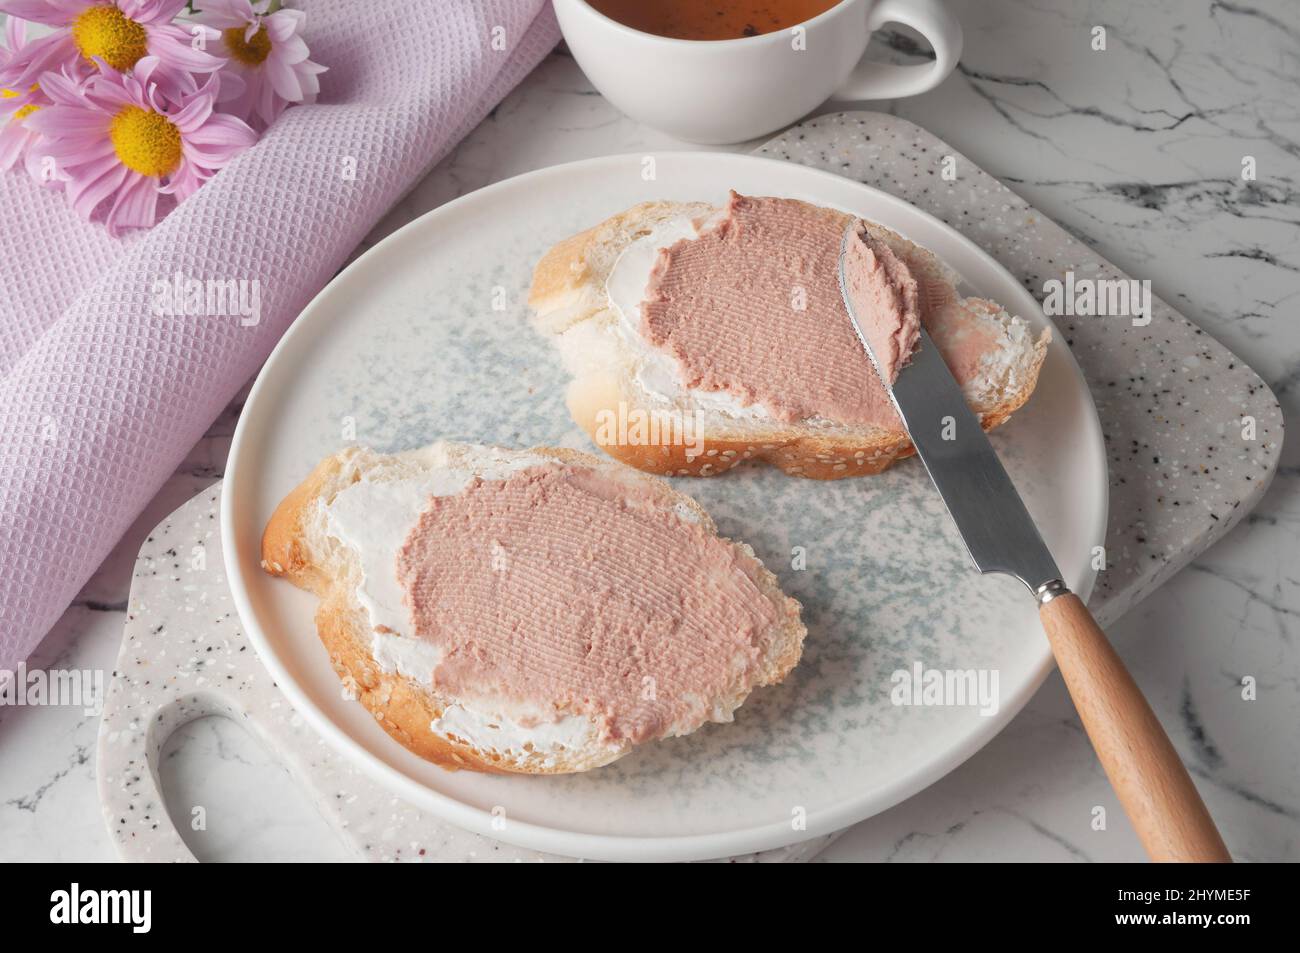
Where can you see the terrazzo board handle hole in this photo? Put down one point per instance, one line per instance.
(184, 655)
(166, 719)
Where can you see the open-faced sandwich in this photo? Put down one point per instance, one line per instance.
(701, 337)
(539, 611)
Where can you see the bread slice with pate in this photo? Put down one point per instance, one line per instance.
(699, 337)
(539, 611)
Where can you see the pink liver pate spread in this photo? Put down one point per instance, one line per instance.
(886, 300)
(752, 307)
(569, 591)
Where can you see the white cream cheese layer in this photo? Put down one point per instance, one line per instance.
(373, 518)
(657, 372)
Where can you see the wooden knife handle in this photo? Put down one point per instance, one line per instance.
(1143, 767)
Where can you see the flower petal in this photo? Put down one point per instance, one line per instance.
(108, 96)
(171, 44)
(70, 155)
(269, 105)
(146, 12)
(223, 129)
(195, 112)
(232, 89)
(284, 23)
(13, 138)
(43, 55)
(15, 34)
(62, 89)
(225, 14)
(291, 51)
(136, 205)
(218, 142)
(86, 193)
(64, 122)
(284, 79)
(43, 11)
(184, 182)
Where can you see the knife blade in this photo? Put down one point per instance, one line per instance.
(998, 532)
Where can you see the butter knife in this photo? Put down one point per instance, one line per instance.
(1144, 769)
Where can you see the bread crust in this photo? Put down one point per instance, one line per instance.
(568, 289)
(404, 708)
(401, 706)
(811, 456)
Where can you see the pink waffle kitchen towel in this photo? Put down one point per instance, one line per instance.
(100, 399)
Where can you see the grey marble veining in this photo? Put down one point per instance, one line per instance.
(1137, 151)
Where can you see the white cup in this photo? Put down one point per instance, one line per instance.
(718, 91)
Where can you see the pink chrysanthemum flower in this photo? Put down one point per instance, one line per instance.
(117, 32)
(116, 137)
(267, 52)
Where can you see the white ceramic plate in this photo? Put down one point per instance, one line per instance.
(426, 337)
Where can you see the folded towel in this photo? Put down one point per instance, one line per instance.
(100, 397)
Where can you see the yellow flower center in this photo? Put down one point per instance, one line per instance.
(146, 142)
(23, 111)
(106, 32)
(249, 52)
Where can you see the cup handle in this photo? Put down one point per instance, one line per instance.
(930, 18)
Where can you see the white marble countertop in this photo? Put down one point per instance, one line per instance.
(1137, 150)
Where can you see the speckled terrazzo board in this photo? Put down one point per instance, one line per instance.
(1166, 393)
(1171, 399)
